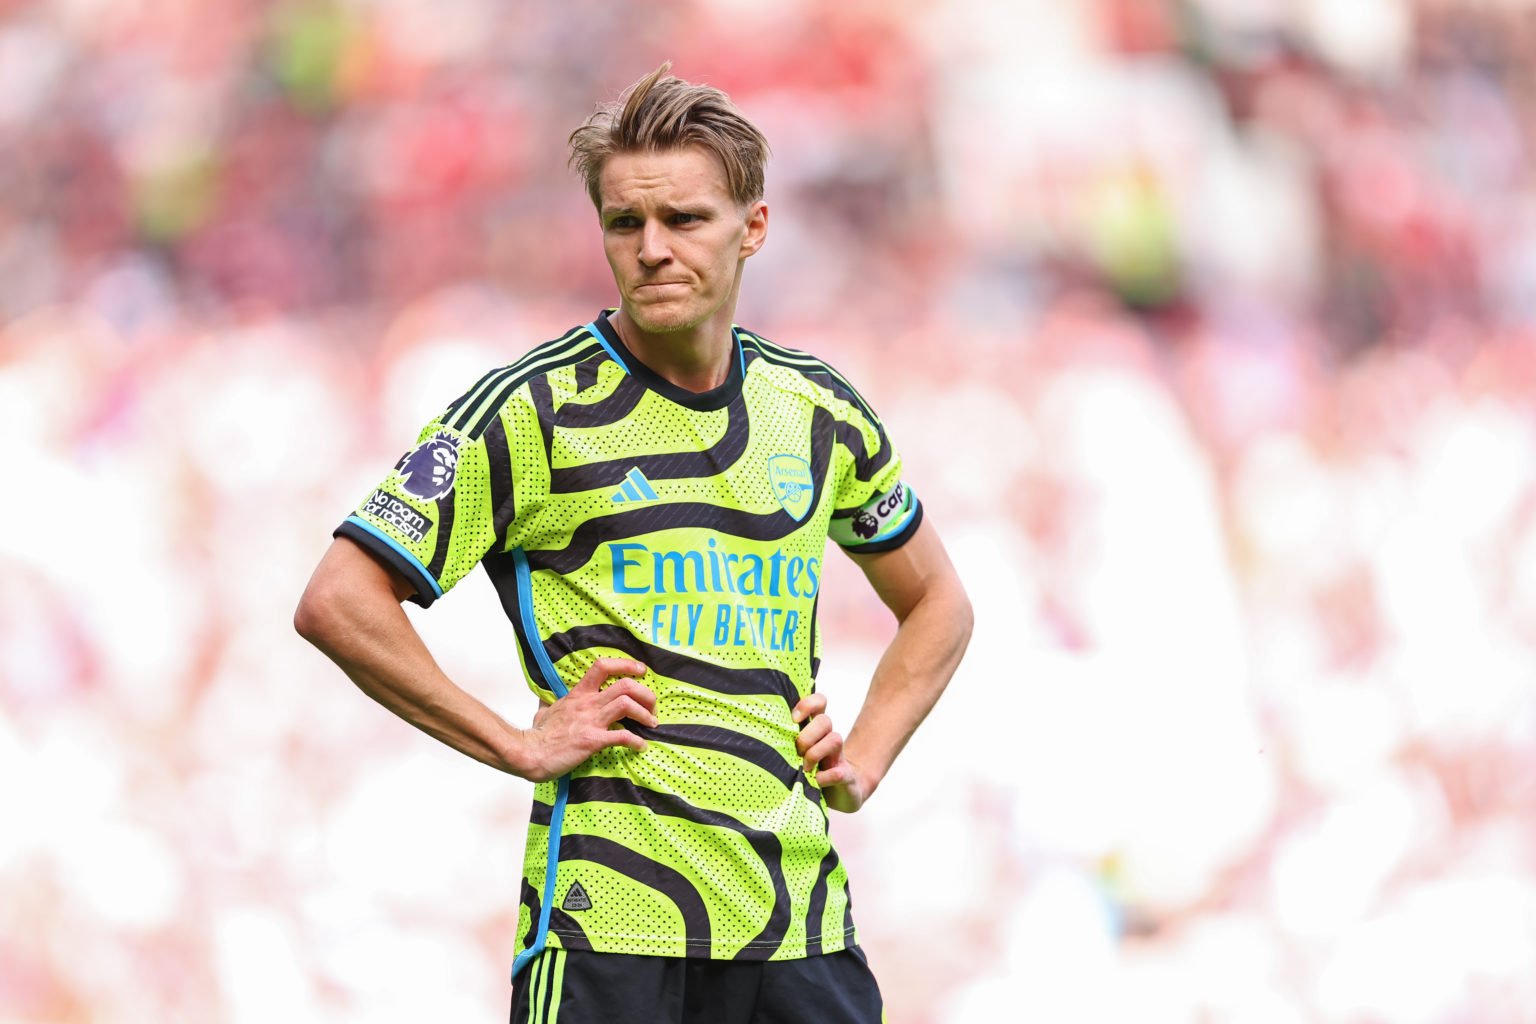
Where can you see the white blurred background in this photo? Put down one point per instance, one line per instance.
(1206, 329)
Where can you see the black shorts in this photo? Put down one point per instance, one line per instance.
(578, 987)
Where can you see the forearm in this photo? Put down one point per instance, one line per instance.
(366, 632)
(405, 678)
(908, 680)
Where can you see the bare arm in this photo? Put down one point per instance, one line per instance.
(920, 587)
(351, 612)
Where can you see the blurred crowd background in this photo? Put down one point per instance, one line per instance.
(1208, 330)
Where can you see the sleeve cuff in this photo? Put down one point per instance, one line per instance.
(392, 555)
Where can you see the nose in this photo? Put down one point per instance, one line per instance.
(654, 250)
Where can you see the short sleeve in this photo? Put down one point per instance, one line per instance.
(875, 509)
(433, 517)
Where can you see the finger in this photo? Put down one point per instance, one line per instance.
(611, 667)
(623, 738)
(812, 733)
(626, 707)
(830, 746)
(638, 692)
(809, 707)
(604, 669)
(834, 774)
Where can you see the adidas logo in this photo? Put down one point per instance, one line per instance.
(576, 898)
(635, 488)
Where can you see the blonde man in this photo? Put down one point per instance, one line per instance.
(651, 494)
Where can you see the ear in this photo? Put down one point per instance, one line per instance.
(757, 229)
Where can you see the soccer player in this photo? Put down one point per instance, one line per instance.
(651, 494)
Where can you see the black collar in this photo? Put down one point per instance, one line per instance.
(703, 401)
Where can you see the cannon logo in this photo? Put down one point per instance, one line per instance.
(429, 471)
(790, 477)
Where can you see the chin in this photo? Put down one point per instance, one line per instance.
(663, 319)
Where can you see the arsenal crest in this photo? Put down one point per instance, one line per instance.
(790, 478)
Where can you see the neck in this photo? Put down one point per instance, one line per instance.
(695, 358)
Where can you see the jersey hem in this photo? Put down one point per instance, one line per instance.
(701, 949)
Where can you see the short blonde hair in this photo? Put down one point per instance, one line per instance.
(662, 112)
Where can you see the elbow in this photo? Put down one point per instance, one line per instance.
(315, 619)
(964, 617)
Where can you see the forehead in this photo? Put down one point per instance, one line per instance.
(670, 176)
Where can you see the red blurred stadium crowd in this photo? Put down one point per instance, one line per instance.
(1205, 327)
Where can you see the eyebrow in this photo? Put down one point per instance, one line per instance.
(697, 209)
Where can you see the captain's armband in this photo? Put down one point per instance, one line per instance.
(886, 521)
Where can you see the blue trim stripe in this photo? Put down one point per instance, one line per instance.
(741, 350)
(556, 818)
(604, 342)
(530, 627)
(412, 559)
(563, 787)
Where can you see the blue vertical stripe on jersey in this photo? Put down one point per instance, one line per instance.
(604, 342)
(387, 539)
(563, 787)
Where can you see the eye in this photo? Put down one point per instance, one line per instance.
(685, 218)
(624, 221)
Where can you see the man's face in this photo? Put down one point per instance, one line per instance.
(674, 236)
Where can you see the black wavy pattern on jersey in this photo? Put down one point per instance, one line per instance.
(814, 370)
(818, 903)
(865, 465)
(611, 408)
(672, 664)
(507, 387)
(822, 375)
(502, 569)
(544, 408)
(533, 903)
(518, 375)
(444, 535)
(499, 457)
(587, 370)
(601, 789)
(572, 935)
(650, 518)
(717, 458)
(665, 880)
(740, 745)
